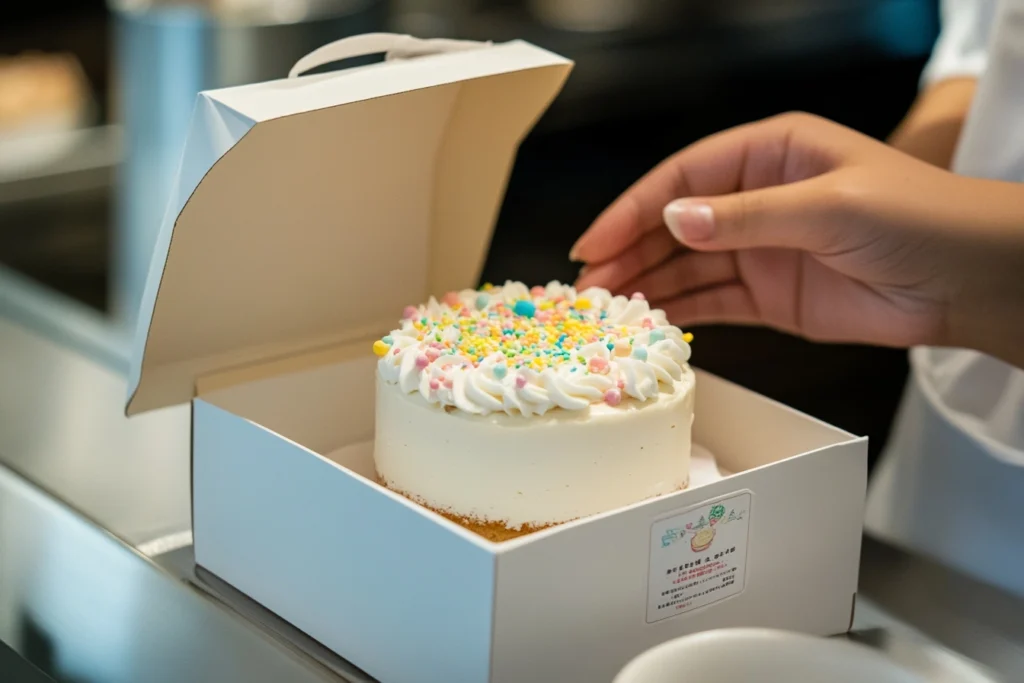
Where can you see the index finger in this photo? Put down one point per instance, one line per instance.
(748, 157)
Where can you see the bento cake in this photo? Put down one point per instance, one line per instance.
(512, 409)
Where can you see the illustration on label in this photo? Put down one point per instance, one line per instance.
(698, 556)
(702, 533)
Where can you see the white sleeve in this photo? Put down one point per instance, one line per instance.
(962, 47)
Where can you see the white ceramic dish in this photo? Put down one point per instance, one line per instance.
(764, 656)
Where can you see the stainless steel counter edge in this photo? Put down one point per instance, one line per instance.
(81, 605)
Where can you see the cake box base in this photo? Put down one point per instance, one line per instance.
(409, 596)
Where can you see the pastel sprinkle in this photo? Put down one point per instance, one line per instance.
(524, 308)
(638, 296)
(530, 330)
(687, 337)
(434, 385)
(613, 397)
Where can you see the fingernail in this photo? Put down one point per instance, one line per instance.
(574, 253)
(690, 221)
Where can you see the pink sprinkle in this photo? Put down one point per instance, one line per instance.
(452, 299)
(520, 381)
(432, 354)
(638, 296)
(622, 384)
(612, 397)
(464, 312)
(410, 312)
(434, 385)
(422, 362)
(648, 324)
(543, 316)
(397, 351)
(537, 291)
(448, 383)
(598, 364)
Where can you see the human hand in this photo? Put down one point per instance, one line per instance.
(809, 227)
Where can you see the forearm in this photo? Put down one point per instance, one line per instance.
(986, 311)
(932, 126)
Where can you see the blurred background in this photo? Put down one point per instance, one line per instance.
(95, 98)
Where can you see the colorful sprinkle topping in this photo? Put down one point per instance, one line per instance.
(541, 347)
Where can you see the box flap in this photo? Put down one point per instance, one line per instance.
(309, 211)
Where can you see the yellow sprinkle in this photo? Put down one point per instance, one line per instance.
(547, 305)
(687, 337)
(380, 348)
(582, 304)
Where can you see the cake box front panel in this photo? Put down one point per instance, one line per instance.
(318, 542)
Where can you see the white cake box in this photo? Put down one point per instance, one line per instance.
(308, 213)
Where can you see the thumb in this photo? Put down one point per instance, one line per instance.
(794, 216)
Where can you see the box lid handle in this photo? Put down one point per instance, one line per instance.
(394, 45)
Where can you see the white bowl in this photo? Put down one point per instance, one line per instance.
(764, 656)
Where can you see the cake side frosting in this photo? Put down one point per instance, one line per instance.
(506, 472)
(523, 351)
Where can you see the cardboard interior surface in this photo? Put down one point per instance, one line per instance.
(309, 228)
(327, 408)
(330, 411)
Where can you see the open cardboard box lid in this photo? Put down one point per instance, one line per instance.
(309, 211)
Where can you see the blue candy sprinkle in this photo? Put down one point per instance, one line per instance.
(481, 301)
(387, 339)
(656, 336)
(500, 371)
(524, 308)
(611, 346)
(640, 353)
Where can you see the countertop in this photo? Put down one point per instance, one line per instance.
(98, 582)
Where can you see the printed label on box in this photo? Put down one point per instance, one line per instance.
(698, 556)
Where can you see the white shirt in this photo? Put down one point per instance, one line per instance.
(950, 483)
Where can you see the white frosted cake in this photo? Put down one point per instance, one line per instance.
(512, 409)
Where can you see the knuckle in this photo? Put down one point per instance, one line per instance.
(847, 196)
(798, 119)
